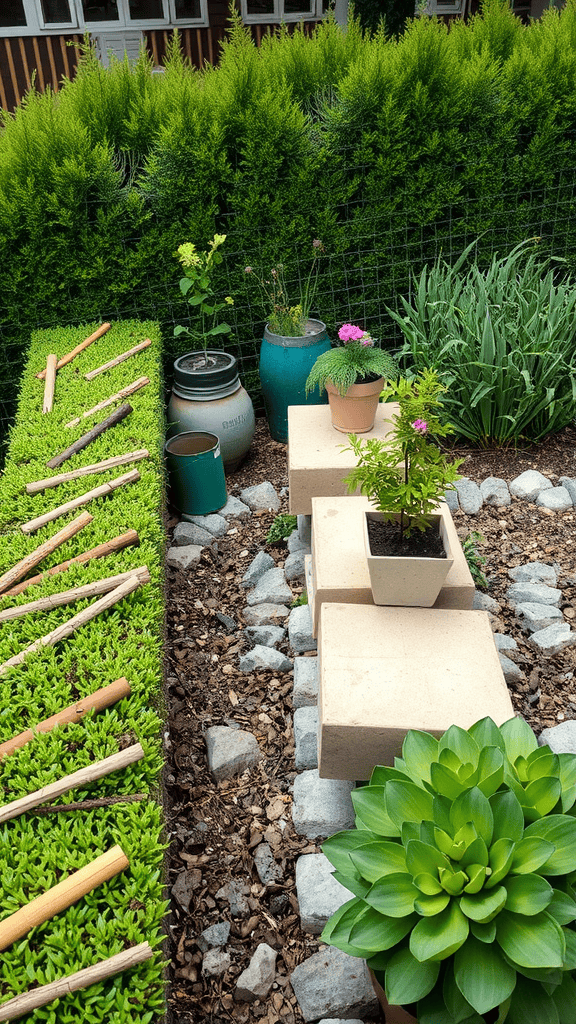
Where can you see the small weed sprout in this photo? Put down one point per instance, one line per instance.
(281, 529)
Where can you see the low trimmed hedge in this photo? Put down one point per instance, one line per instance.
(36, 852)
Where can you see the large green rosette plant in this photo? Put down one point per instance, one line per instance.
(462, 866)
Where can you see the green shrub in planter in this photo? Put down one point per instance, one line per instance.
(462, 867)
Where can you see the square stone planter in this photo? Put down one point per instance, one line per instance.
(412, 582)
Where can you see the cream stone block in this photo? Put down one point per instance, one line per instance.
(340, 570)
(383, 671)
(316, 463)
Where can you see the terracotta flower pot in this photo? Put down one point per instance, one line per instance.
(392, 1014)
(355, 412)
(405, 580)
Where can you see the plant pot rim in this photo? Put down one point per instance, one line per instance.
(313, 329)
(359, 388)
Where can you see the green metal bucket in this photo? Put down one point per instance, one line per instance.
(196, 472)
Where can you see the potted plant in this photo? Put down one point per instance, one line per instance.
(405, 477)
(207, 394)
(462, 870)
(353, 376)
(292, 341)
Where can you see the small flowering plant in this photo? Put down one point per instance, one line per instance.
(406, 473)
(196, 287)
(282, 318)
(351, 362)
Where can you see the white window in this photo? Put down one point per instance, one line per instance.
(31, 17)
(267, 11)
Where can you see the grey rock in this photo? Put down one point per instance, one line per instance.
(529, 485)
(321, 807)
(263, 614)
(512, 674)
(184, 558)
(214, 523)
(305, 692)
(504, 642)
(230, 751)
(215, 963)
(269, 871)
(540, 593)
(227, 621)
(266, 636)
(306, 738)
(300, 630)
(190, 533)
(553, 639)
(319, 894)
(258, 566)
(534, 617)
(261, 496)
(235, 893)
(470, 496)
(451, 499)
(534, 572)
(295, 544)
(333, 984)
(338, 1020)
(260, 658)
(556, 498)
(305, 529)
(216, 935)
(183, 888)
(271, 588)
(495, 491)
(294, 566)
(257, 980)
(234, 509)
(560, 738)
(569, 482)
(484, 603)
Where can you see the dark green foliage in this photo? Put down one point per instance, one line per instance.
(476, 561)
(281, 528)
(36, 852)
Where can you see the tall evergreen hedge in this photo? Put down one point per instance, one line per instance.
(391, 150)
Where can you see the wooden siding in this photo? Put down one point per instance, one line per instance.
(43, 59)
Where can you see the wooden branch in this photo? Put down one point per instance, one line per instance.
(77, 780)
(79, 348)
(119, 359)
(62, 895)
(50, 382)
(30, 561)
(94, 589)
(96, 701)
(96, 467)
(44, 994)
(124, 393)
(97, 492)
(69, 627)
(124, 540)
(115, 417)
(89, 805)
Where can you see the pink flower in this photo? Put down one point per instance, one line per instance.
(349, 332)
(421, 426)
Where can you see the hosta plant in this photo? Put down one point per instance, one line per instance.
(462, 867)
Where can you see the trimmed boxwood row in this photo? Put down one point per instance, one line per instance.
(37, 852)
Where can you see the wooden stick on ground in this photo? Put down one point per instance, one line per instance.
(77, 780)
(50, 382)
(69, 627)
(79, 348)
(124, 393)
(62, 896)
(37, 997)
(30, 561)
(97, 492)
(111, 421)
(94, 589)
(119, 359)
(96, 467)
(89, 805)
(102, 698)
(124, 540)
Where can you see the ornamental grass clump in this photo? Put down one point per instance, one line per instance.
(406, 474)
(462, 867)
(350, 363)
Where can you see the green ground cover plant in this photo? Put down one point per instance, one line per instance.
(36, 852)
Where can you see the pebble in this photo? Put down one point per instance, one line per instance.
(257, 980)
